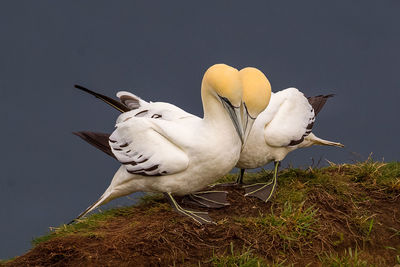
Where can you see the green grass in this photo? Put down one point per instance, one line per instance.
(372, 174)
(243, 259)
(350, 258)
(292, 226)
(293, 222)
(6, 261)
(150, 198)
(364, 224)
(85, 226)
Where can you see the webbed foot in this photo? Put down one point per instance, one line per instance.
(208, 199)
(200, 217)
(263, 191)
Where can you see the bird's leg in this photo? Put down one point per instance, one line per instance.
(239, 180)
(197, 216)
(208, 199)
(263, 191)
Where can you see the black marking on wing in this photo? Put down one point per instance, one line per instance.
(143, 112)
(296, 142)
(317, 102)
(144, 171)
(133, 163)
(140, 159)
(156, 116)
(112, 102)
(129, 101)
(307, 132)
(98, 140)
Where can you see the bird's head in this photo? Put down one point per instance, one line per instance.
(223, 83)
(256, 96)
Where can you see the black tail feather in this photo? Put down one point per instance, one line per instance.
(317, 102)
(98, 140)
(112, 102)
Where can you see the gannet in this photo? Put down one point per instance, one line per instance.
(174, 152)
(285, 125)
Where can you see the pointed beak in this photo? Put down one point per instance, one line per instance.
(248, 122)
(236, 117)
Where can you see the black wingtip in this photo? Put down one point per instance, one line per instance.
(79, 87)
(322, 96)
(317, 102)
(98, 140)
(330, 95)
(112, 102)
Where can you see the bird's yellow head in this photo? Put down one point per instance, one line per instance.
(256, 96)
(222, 86)
(225, 82)
(256, 90)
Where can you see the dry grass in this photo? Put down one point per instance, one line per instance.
(341, 215)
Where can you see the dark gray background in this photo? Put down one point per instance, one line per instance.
(159, 51)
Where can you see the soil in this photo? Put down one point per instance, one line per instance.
(153, 235)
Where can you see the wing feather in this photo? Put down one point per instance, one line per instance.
(130, 100)
(290, 118)
(140, 145)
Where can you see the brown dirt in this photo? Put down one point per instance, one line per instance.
(153, 235)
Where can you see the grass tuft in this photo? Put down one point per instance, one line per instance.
(85, 226)
(294, 227)
(372, 174)
(314, 212)
(350, 258)
(243, 259)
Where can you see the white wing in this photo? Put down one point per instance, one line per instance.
(140, 144)
(157, 110)
(288, 118)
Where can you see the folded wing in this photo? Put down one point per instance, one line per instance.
(155, 110)
(290, 116)
(141, 145)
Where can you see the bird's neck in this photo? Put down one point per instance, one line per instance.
(214, 112)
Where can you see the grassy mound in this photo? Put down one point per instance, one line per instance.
(342, 215)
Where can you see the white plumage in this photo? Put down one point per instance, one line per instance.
(285, 125)
(165, 149)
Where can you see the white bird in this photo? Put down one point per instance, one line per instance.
(165, 149)
(285, 125)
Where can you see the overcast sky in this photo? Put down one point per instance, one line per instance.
(159, 50)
